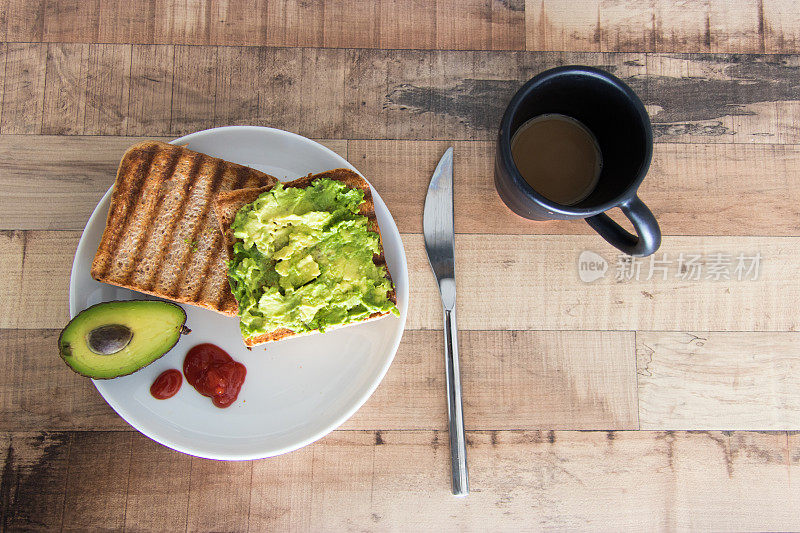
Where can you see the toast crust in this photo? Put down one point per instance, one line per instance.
(227, 204)
(161, 235)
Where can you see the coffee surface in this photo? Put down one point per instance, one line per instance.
(558, 156)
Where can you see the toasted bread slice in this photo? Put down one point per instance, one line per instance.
(228, 204)
(162, 236)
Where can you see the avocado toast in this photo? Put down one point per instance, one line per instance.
(306, 256)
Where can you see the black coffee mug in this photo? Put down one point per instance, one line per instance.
(617, 118)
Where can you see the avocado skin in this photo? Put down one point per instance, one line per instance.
(68, 352)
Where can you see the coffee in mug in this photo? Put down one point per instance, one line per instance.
(558, 156)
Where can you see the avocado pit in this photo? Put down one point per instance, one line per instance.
(109, 339)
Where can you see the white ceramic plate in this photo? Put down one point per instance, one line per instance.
(296, 390)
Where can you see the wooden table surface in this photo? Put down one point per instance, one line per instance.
(660, 399)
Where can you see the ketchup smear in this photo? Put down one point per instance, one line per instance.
(167, 384)
(209, 369)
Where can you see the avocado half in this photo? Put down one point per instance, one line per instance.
(113, 339)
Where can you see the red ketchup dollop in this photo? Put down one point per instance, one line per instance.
(167, 384)
(209, 369)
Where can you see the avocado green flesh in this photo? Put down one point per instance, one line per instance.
(303, 260)
(156, 327)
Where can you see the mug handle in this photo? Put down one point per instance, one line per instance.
(648, 237)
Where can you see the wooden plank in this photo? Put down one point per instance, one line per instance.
(459, 95)
(370, 81)
(97, 480)
(3, 50)
(23, 88)
(293, 23)
(781, 25)
(292, 95)
(407, 24)
(238, 85)
(3, 21)
(531, 266)
(692, 26)
(351, 24)
(520, 480)
(480, 25)
(33, 480)
(25, 20)
(77, 170)
(235, 23)
(150, 105)
(554, 380)
(158, 487)
(194, 89)
(761, 175)
(219, 495)
(511, 380)
(705, 380)
(183, 22)
(12, 249)
(508, 24)
(65, 94)
(72, 21)
(281, 492)
(124, 22)
(542, 25)
(47, 256)
(544, 270)
(108, 89)
(38, 392)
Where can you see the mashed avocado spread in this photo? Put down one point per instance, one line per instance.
(302, 260)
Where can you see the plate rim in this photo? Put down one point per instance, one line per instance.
(331, 426)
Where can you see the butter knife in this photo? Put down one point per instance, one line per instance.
(437, 226)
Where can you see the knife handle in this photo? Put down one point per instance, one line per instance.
(455, 412)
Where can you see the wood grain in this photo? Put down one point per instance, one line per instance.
(150, 108)
(520, 480)
(108, 89)
(33, 483)
(194, 89)
(541, 274)
(553, 380)
(692, 26)
(335, 93)
(97, 480)
(158, 488)
(547, 25)
(66, 89)
(38, 392)
(219, 498)
(480, 25)
(12, 250)
(23, 88)
(702, 380)
(528, 267)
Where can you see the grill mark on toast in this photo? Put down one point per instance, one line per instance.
(197, 160)
(132, 201)
(216, 178)
(169, 171)
(218, 299)
(120, 229)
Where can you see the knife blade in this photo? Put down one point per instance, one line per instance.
(437, 227)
